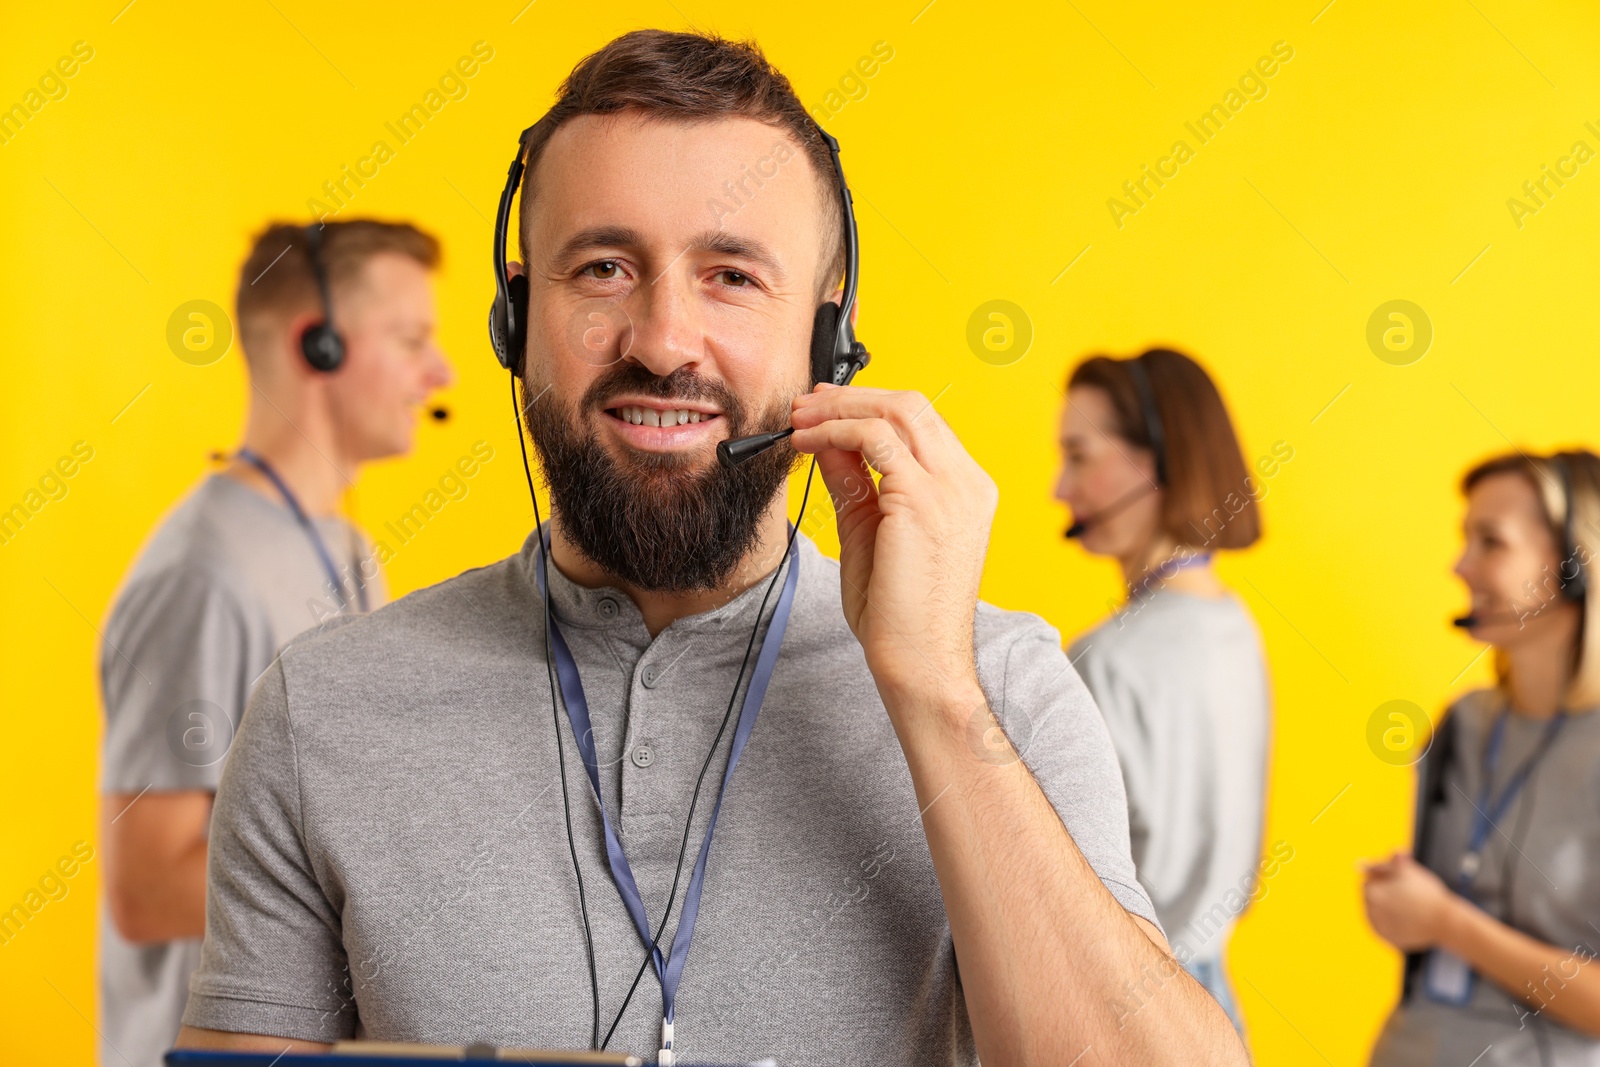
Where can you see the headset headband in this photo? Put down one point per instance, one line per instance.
(508, 333)
(1152, 416)
(845, 338)
(321, 344)
(313, 235)
(1575, 587)
(503, 334)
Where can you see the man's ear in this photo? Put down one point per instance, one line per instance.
(514, 268)
(855, 310)
(294, 330)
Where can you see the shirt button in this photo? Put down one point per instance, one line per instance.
(608, 608)
(643, 754)
(650, 676)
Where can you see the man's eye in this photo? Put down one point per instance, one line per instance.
(605, 270)
(737, 279)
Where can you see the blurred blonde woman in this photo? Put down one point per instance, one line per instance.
(1154, 477)
(1497, 906)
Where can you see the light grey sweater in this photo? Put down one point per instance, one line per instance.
(1183, 687)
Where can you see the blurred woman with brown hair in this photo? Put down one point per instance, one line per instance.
(1153, 474)
(1497, 906)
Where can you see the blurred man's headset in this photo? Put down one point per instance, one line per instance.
(836, 355)
(321, 344)
(1574, 586)
(1158, 446)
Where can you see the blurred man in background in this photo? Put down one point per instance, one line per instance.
(337, 325)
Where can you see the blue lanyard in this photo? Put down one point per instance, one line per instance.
(668, 969)
(1486, 813)
(259, 463)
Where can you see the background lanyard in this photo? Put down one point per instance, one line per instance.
(259, 463)
(669, 969)
(1488, 814)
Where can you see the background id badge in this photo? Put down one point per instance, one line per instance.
(1447, 978)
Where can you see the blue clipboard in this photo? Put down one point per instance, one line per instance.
(209, 1058)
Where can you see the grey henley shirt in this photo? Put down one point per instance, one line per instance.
(226, 579)
(389, 858)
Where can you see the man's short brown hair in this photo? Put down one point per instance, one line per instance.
(277, 280)
(1210, 498)
(690, 77)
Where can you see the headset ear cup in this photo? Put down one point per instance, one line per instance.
(824, 330)
(497, 332)
(518, 332)
(322, 347)
(1576, 586)
(508, 331)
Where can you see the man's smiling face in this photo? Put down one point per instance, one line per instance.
(641, 255)
(675, 270)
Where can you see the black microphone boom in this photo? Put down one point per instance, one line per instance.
(736, 450)
(1476, 618)
(1078, 528)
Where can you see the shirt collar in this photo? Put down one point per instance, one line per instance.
(609, 608)
(274, 504)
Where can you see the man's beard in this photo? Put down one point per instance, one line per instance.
(651, 520)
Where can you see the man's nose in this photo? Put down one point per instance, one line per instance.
(666, 326)
(440, 373)
(1063, 486)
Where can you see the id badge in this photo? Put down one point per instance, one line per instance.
(1447, 978)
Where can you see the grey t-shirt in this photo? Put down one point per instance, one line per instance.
(1183, 686)
(1540, 873)
(226, 579)
(389, 858)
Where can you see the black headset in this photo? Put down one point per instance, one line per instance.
(321, 344)
(1158, 446)
(1152, 416)
(1576, 585)
(836, 355)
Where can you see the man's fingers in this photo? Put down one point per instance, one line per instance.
(849, 481)
(911, 414)
(1379, 868)
(875, 440)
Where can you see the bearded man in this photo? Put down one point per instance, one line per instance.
(397, 852)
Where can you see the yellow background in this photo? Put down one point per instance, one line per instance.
(983, 154)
